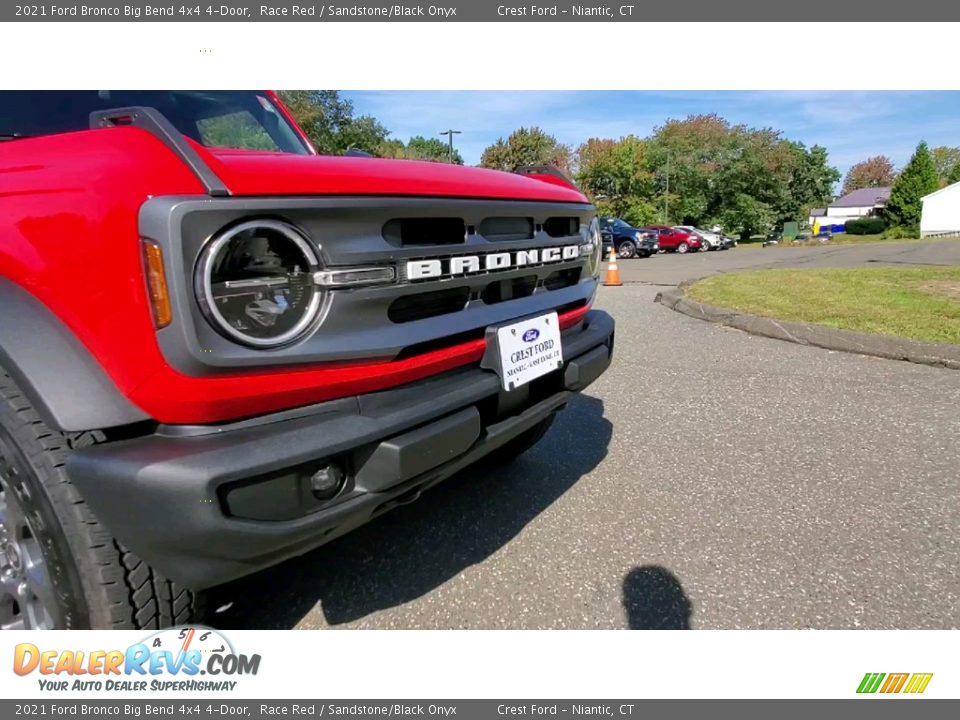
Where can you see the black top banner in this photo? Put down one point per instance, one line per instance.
(820, 11)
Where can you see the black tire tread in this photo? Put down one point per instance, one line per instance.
(121, 591)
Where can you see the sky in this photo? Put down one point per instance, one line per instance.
(852, 125)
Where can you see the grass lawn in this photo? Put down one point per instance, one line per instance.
(919, 303)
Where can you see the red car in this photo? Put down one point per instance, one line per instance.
(673, 240)
(219, 350)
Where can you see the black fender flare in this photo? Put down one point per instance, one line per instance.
(59, 376)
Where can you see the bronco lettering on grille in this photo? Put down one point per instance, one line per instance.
(433, 268)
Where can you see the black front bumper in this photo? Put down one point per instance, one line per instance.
(208, 504)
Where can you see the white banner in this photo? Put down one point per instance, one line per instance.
(57, 665)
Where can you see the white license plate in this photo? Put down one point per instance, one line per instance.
(529, 349)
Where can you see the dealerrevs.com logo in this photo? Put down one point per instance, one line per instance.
(178, 659)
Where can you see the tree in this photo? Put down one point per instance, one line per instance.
(768, 181)
(873, 172)
(701, 170)
(329, 122)
(526, 146)
(811, 183)
(687, 156)
(945, 160)
(421, 148)
(917, 179)
(747, 215)
(954, 176)
(615, 174)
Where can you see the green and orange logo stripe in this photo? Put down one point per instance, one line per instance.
(912, 683)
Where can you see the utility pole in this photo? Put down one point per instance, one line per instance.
(450, 134)
(666, 197)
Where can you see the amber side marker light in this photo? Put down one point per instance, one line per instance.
(156, 284)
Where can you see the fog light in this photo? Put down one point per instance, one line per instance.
(326, 482)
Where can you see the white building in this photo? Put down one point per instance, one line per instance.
(865, 202)
(941, 212)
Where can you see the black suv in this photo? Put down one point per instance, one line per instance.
(628, 240)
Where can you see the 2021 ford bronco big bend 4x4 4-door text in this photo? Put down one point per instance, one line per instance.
(219, 350)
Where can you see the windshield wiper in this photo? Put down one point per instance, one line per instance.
(12, 136)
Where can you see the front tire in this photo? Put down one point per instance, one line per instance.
(627, 249)
(683, 248)
(61, 569)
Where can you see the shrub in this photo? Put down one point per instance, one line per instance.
(901, 232)
(866, 226)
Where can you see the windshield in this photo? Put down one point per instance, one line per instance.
(242, 119)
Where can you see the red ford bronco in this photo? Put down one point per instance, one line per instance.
(219, 350)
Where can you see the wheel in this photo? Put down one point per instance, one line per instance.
(682, 248)
(520, 444)
(61, 569)
(627, 249)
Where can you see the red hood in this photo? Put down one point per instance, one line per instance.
(248, 172)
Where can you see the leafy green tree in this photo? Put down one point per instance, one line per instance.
(686, 156)
(640, 212)
(754, 184)
(747, 215)
(419, 148)
(526, 146)
(615, 174)
(917, 179)
(945, 159)
(873, 172)
(954, 176)
(811, 183)
(330, 123)
(392, 148)
(701, 170)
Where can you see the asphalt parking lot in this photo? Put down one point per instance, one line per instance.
(711, 479)
(672, 269)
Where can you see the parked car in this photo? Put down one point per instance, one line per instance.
(709, 240)
(628, 240)
(216, 356)
(727, 242)
(673, 240)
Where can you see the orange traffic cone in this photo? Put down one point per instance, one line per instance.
(613, 272)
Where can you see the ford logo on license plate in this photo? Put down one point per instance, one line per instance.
(531, 335)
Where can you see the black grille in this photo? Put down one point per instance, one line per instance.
(562, 279)
(430, 304)
(561, 226)
(497, 229)
(511, 289)
(425, 231)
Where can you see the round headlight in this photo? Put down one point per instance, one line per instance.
(255, 285)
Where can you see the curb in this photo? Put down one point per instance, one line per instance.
(937, 355)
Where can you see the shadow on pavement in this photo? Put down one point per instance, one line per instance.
(414, 549)
(654, 600)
